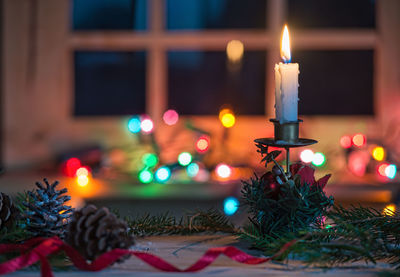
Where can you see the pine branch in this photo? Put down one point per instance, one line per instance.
(357, 234)
(210, 221)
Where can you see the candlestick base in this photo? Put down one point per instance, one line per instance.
(286, 135)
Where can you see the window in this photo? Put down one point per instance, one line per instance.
(145, 56)
(200, 83)
(109, 83)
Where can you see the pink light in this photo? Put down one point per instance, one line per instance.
(358, 161)
(147, 125)
(223, 171)
(359, 140)
(345, 141)
(171, 117)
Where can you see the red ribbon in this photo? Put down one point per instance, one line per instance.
(38, 249)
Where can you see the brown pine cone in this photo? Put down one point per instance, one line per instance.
(95, 231)
(8, 212)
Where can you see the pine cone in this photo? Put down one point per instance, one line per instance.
(45, 214)
(95, 231)
(8, 212)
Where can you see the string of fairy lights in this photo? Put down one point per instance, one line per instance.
(362, 157)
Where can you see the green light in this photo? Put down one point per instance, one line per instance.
(328, 226)
(192, 169)
(145, 176)
(163, 174)
(150, 159)
(318, 159)
(184, 158)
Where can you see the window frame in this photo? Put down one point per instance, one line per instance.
(157, 41)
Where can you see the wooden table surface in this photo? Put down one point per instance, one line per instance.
(183, 251)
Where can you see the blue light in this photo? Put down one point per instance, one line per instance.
(231, 205)
(163, 174)
(391, 171)
(192, 169)
(134, 125)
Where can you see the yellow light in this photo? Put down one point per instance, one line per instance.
(82, 171)
(234, 50)
(285, 45)
(378, 153)
(82, 180)
(389, 210)
(227, 118)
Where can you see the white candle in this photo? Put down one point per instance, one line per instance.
(286, 84)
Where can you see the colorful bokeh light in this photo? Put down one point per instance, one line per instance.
(163, 174)
(231, 205)
(71, 166)
(234, 50)
(378, 153)
(223, 171)
(82, 180)
(192, 169)
(382, 169)
(82, 171)
(307, 156)
(145, 176)
(318, 159)
(345, 141)
(390, 171)
(171, 117)
(184, 158)
(227, 118)
(150, 159)
(389, 210)
(359, 140)
(134, 125)
(202, 144)
(147, 125)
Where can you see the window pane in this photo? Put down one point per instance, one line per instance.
(200, 83)
(335, 82)
(109, 83)
(109, 14)
(331, 13)
(216, 14)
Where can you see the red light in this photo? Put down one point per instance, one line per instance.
(71, 166)
(359, 140)
(382, 168)
(202, 144)
(345, 141)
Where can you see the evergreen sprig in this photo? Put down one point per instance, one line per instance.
(209, 221)
(355, 234)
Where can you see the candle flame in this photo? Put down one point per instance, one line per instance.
(285, 45)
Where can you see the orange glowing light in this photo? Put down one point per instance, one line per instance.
(285, 45)
(202, 144)
(82, 180)
(359, 140)
(227, 118)
(234, 50)
(345, 141)
(389, 210)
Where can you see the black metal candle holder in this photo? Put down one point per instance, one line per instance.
(286, 135)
